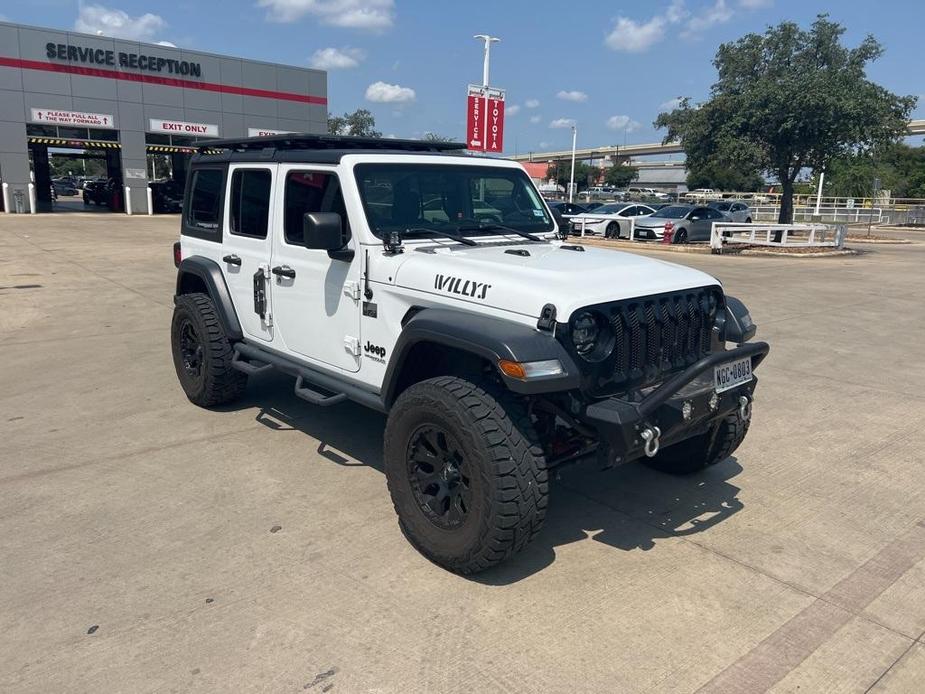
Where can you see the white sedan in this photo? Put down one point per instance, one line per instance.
(605, 220)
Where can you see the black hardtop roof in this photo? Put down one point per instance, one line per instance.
(312, 147)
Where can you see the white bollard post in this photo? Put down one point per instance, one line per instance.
(32, 209)
(6, 198)
(128, 200)
(150, 200)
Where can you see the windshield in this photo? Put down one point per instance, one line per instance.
(672, 212)
(608, 209)
(402, 197)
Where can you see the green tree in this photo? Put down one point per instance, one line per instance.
(436, 137)
(900, 168)
(620, 175)
(711, 175)
(561, 171)
(360, 123)
(788, 100)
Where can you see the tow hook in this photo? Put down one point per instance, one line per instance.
(745, 408)
(651, 435)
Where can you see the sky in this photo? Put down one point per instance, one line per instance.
(607, 67)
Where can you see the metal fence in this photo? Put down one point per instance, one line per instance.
(835, 215)
(792, 235)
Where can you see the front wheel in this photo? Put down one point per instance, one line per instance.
(680, 236)
(748, 220)
(465, 471)
(700, 452)
(612, 231)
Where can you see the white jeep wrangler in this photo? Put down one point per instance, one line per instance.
(433, 286)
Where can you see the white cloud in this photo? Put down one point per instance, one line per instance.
(103, 21)
(630, 36)
(374, 15)
(562, 123)
(718, 13)
(572, 96)
(622, 123)
(532, 103)
(512, 109)
(536, 119)
(384, 93)
(755, 4)
(543, 145)
(336, 58)
(669, 105)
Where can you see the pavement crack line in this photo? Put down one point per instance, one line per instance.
(894, 663)
(782, 651)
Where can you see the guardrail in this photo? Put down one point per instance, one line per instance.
(792, 235)
(844, 215)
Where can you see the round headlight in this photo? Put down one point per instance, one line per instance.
(585, 329)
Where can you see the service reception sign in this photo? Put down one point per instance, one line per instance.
(485, 119)
(73, 118)
(178, 127)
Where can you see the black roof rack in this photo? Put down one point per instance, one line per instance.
(295, 141)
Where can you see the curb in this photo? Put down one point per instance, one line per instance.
(821, 254)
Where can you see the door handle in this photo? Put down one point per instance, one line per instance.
(283, 271)
(232, 260)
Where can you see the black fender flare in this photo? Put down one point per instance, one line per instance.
(738, 324)
(211, 275)
(487, 337)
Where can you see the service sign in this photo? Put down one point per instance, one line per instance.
(178, 127)
(475, 118)
(72, 118)
(265, 132)
(494, 117)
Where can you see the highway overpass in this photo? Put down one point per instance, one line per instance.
(916, 127)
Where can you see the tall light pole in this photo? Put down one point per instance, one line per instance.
(571, 183)
(488, 41)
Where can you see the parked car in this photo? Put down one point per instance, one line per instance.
(98, 192)
(63, 187)
(735, 210)
(756, 198)
(166, 196)
(702, 195)
(605, 220)
(641, 193)
(689, 223)
(566, 210)
(589, 206)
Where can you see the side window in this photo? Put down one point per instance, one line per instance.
(205, 207)
(250, 202)
(311, 191)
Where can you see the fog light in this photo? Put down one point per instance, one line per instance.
(686, 410)
(714, 401)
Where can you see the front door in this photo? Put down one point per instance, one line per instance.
(316, 298)
(247, 246)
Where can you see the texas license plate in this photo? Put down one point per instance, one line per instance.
(732, 374)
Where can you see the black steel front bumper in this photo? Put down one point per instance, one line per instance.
(683, 406)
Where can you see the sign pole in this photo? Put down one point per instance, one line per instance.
(571, 183)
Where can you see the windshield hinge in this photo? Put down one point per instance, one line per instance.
(547, 320)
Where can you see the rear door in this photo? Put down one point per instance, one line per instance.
(248, 246)
(316, 297)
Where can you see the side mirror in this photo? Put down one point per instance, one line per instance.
(324, 231)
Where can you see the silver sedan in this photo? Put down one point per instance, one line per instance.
(736, 210)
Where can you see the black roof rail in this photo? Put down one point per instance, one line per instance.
(292, 141)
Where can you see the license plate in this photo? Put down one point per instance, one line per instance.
(735, 373)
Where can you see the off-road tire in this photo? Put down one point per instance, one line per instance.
(216, 382)
(700, 452)
(508, 483)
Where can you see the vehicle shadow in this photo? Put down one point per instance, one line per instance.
(629, 508)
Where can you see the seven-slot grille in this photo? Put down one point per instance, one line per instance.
(654, 336)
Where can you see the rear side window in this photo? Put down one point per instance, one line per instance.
(205, 207)
(250, 202)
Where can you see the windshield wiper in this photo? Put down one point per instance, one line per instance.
(493, 225)
(441, 232)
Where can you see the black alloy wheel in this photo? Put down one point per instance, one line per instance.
(680, 236)
(190, 349)
(612, 231)
(439, 476)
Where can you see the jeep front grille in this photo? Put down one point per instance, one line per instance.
(653, 336)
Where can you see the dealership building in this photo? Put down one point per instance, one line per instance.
(128, 103)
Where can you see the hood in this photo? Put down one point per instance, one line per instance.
(654, 222)
(492, 275)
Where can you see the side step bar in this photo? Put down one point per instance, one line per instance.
(334, 389)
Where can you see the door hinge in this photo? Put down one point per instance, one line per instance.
(352, 345)
(352, 290)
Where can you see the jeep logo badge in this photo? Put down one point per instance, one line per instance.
(374, 352)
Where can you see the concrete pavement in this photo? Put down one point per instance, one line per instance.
(256, 549)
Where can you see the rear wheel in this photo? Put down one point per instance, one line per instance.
(700, 452)
(465, 471)
(202, 353)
